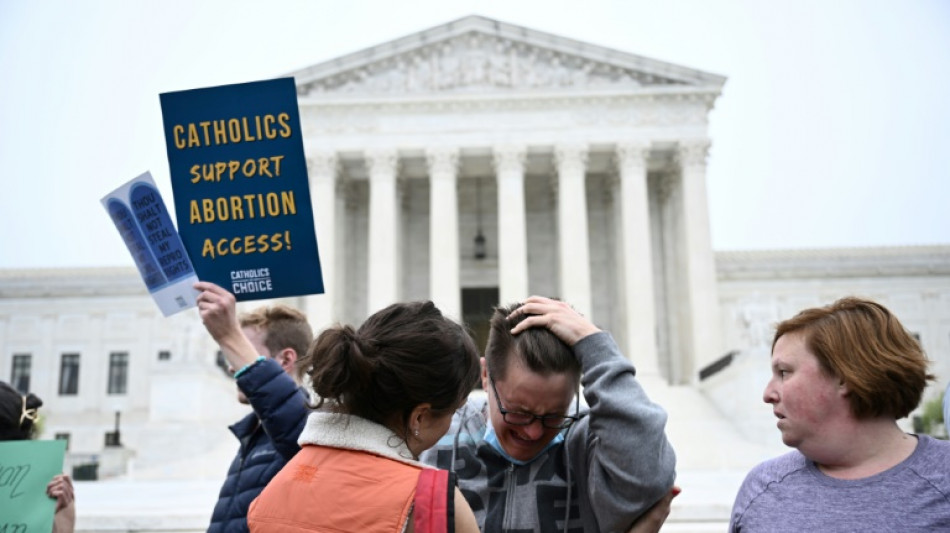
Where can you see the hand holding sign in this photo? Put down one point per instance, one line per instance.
(218, 312)
(61, 488)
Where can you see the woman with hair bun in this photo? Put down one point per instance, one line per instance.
(18, 415)
(387, 391)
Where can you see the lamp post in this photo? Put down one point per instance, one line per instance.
(479, 236)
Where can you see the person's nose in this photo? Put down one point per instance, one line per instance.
(770, 395)
(534, 430)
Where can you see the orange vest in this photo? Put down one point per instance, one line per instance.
(325, 489)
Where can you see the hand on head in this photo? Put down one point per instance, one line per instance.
(557, 316)
(61, 488)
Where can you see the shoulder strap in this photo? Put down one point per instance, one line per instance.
(434, 505)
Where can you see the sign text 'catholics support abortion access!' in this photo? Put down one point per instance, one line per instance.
(239, 178)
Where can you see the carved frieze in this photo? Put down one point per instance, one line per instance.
(475, 62)
(754, 319)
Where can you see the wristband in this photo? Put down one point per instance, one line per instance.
(248, 366)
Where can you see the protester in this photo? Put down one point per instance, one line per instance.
(262, 349)
(527, 462)
(842, 375)
(387, 392)
(18, 414)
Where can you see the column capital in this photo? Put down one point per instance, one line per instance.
(323, 163)
(442, 161)
(570, 157)
(509, 158)
(382, 161)
(631, 154)
(693, 152)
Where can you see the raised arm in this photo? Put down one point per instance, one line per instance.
(218, 312)
(273, 394)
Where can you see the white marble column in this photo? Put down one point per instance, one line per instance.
(509, 163)
(444, 287)
(324, 169)
(574, 248)
(704, 345)
(637, 260)
(384, 268)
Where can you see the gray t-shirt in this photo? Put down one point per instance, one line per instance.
(789, 493)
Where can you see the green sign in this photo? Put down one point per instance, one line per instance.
(26, 467)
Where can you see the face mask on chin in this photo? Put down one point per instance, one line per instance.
(492, 438)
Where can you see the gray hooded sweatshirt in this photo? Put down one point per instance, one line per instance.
(611, 466)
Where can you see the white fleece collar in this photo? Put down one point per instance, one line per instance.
(354, 433)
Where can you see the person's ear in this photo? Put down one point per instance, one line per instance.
(287, 359)
(484, 373)
(843, 389)
(419, 419)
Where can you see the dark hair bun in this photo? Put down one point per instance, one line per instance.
(17, 413)
(400, 357)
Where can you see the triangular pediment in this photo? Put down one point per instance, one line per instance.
(478, 54)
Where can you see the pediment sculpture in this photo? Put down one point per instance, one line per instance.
(476, 62)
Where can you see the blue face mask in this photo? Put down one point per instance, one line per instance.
(492, 438)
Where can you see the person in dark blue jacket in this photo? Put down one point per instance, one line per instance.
(279, 335)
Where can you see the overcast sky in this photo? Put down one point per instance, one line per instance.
(833, 128)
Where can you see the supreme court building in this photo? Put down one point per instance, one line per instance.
(474, 163)
(484, 162)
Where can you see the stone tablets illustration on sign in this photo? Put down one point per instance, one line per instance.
(139, 213)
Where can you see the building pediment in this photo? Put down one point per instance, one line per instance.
(481, 55)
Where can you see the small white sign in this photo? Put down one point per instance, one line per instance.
(139, 213)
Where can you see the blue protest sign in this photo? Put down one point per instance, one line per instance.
(242, 198)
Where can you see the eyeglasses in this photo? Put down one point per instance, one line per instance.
(517, 418)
